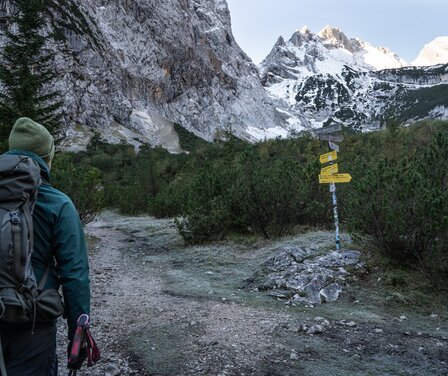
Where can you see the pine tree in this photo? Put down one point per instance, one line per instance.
(25, 72)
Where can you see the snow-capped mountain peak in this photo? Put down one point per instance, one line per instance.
(326, 77)
(435, 52)
(333, 36)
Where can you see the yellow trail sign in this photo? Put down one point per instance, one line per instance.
(335, 178)
(328, 157)
(330, 170)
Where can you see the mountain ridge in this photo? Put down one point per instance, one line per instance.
(328, 77)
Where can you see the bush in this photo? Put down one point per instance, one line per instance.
(81, 184)
(402, 201)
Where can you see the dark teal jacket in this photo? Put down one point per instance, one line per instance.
(59, 241)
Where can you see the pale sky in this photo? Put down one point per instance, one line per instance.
(403, 26)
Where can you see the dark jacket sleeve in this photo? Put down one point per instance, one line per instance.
(72, 264)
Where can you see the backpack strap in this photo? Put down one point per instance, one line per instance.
(27, 210)
(44, 278)
(18, 251)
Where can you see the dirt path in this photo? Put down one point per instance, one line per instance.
(161, 309)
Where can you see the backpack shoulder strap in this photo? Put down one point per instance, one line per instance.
(44, 278)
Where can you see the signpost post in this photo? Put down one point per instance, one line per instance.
(330, 174)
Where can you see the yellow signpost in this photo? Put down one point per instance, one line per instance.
(330, 174)
(330, 170)
(328, 157)
(335, 178)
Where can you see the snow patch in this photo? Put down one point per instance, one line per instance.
(435, 52)
(268, 133)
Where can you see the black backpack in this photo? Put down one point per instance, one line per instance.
(21, 299)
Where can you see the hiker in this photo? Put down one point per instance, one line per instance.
(59, 258)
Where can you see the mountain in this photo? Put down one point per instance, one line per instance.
(131, 69)
(136, 70)
(435, 52)
(328, 77)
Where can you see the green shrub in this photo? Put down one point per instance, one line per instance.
(81, 184)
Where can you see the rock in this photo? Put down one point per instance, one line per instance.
(378, 331)
(293, 356)
(315, 329)
(112, 370)
(330, 293)
(309, 276)
(350, 324)
(324, 322)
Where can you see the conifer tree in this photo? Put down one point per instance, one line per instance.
(25, 72)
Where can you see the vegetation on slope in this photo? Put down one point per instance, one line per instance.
(398, 195)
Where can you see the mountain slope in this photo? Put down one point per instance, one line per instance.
(328, 77)
(132, 69)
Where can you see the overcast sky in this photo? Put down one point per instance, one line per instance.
(404, 26)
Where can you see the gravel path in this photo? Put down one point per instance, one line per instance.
(160, 309)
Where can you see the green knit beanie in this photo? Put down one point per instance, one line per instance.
(28, 135)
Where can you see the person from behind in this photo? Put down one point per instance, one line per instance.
(59, 257)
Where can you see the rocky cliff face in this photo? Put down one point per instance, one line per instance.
(132, 68)
(328, 77)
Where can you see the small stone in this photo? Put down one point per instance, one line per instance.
(351, 324)
(439, 344)
(403, 318)
(407, 333)
(294, 356)
(315, 329)
(323, 321)
(434, 316)
(379, 331)
(419, 334)
(345, 350)
(420, 349)
(112, 370)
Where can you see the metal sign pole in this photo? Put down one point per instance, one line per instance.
(330, 174)
(333, 147)
(335, 214)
